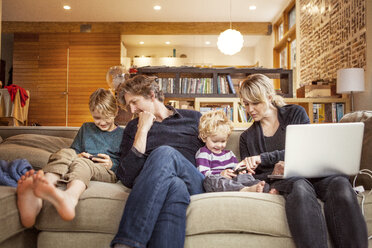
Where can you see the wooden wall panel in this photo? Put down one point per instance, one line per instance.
(52, 79)
(41, 65)
(91, 55)
(26, 66)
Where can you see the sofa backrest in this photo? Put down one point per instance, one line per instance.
(233, 143)
(65, 132)
(366, 159)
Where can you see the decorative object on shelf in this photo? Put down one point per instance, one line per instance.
(350, 80)
(115, 76)
(230, 41)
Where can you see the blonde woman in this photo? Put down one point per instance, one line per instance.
(262, 147)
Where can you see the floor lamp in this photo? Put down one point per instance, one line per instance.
(350, 80)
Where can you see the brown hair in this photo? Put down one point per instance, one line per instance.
(257, 88)
(103, 101)
(140, 85)
(214, 122)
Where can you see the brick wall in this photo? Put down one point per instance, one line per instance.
(333, 36)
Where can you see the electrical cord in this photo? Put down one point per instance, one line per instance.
(359, 191)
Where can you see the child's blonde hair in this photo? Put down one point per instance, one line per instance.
(214, 122)
(104, 102)
(256, 88)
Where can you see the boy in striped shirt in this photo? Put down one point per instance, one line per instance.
(220, 166)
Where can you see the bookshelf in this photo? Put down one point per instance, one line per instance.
(188, 97)
(310, 103)
(233, 103)
(175, 77)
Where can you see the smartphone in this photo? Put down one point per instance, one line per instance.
(237, 171)
(93, 156)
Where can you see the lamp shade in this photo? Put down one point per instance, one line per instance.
(350, 80)
(230, 41)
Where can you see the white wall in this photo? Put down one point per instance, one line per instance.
(263, 52)
(198, 56)
(363, 101)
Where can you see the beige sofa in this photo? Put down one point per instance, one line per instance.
(226, 219)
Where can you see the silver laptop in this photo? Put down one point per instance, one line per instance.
(319, 150)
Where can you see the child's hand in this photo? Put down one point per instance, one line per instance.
(103, 160)
(84, 155)
(228, 173)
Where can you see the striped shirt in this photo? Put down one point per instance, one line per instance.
(210, 163)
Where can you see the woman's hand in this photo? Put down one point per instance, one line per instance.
(228, 173)
(104, 160)
(278, 168)
(250, 163)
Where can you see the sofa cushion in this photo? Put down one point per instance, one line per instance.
(74, 239)
(366, 159)
(99, 211)
(9, 217)
(237, 212)
(36, 148)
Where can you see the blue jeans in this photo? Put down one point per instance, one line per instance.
(155, 212)
(342, 213)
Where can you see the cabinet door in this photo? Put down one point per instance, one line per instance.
(40, 66)
(91, 55)
(52, 81)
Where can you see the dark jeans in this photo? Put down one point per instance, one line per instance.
(155, 212)
(343, 216)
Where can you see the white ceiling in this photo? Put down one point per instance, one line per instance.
(142, 11)
(181, 40)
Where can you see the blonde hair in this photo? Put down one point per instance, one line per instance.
(257, 88)
(140, 85)
(214, 122)
(103, 101)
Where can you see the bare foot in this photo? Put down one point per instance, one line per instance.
(274, 191)
(255, 188)
(29, 205)
(64, 204)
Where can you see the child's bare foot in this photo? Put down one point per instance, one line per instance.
(274, 191)
(29, 205)
(64, 204)
(255, 188)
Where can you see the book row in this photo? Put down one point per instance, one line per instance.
(197, 85)
(229, 111)
(328, 112)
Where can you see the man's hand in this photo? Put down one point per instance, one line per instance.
(145, 121)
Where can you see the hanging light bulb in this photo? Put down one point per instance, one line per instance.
(230, 41)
